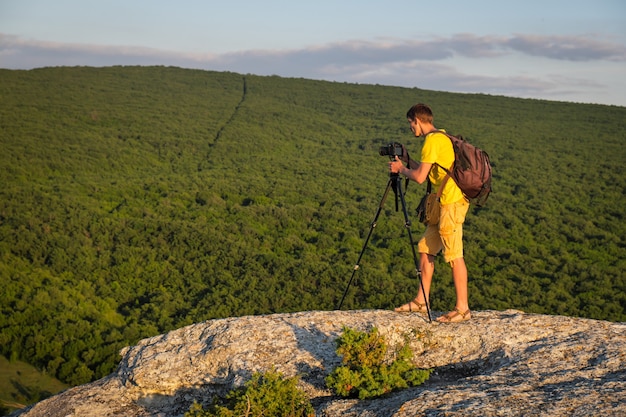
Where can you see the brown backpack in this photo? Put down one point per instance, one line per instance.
(471, 169)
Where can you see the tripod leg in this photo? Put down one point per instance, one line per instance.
(407, 224)
(372, 227)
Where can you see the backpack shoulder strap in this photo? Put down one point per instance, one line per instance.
(443, 184)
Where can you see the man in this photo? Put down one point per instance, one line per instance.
(447, 235)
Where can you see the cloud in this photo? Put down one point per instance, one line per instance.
(425, 63)
(568, 48)
(553, 47)
(18, 53)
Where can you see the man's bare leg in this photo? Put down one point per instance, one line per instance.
(461, 310)
(427, 268)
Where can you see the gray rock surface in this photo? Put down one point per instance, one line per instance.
(500, 363)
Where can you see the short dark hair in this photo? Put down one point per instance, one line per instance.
(421, 112)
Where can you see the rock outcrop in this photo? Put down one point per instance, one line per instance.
(505, 363)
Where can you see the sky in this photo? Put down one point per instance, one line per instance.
(560, 50)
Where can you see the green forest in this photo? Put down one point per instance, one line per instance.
(137, 200)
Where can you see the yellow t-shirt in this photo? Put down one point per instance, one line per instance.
(437, 149)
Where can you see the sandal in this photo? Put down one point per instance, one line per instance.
(455, 316)
(408, 307)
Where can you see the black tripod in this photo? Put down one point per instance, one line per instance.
(394, 183)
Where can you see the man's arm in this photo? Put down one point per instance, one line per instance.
(417, 172)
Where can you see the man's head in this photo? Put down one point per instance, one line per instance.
(420, 118)
(420, 111)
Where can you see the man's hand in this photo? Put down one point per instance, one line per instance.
(395, 166)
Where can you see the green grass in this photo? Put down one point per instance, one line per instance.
(21, 384)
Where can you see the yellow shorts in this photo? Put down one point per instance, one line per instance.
(447, 235)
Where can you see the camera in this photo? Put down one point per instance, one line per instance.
(393, 149)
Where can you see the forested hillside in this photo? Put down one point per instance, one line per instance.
(136, 200)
